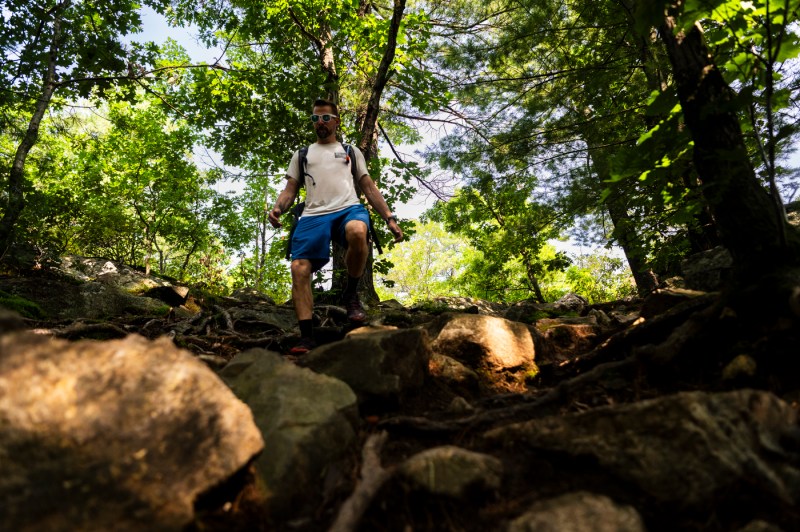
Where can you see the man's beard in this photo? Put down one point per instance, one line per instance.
(322, 132)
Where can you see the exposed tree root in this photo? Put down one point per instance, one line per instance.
(667, 350)
(227, 316)
(621, 345)
(91, 330)
(487, 418)
(373, 477)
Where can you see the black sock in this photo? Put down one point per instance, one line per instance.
(306, 328)
(352, 285)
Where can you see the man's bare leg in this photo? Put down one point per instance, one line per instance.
(355, 259)
(301, 289)
(303, 304)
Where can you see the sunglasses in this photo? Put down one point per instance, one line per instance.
(325, 118)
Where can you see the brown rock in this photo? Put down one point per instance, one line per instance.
(578, 512)
(117, 435)
(687, 450)
(477, 340)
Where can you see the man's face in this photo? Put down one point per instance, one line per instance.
(324, 129)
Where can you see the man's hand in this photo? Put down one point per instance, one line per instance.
(275, 217)
(395, 229)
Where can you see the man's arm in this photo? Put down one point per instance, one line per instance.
(284, 201)
(375, 198)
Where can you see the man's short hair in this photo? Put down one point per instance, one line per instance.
(321, 103)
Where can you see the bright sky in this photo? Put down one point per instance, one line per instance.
(156, 29)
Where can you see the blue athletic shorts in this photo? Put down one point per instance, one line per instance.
(313, 235)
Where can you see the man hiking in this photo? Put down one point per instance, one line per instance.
(332, 212)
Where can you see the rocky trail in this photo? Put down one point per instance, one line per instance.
(127, 403)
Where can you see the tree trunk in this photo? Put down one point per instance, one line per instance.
(625, 233)
(16, 179)
(368, 141)
(527, 260)
(624, 228)
(368, 144)
(741, 207)
(703, 236)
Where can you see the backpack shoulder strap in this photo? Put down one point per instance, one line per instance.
(302, 160)
(351, 157)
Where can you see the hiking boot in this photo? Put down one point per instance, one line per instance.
(355, 311)
(303, 346)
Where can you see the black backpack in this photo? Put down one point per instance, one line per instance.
(297, 209)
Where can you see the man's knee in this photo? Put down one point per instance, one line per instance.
(355, 232)
(301, 269)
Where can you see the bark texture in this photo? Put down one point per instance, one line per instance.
(740, 205)
(16, 179)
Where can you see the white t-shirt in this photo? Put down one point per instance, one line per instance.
(328, 181)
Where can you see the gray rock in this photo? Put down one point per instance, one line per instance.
(391, 304)
(375, 362)
(90, 300)
(707, 270)
(453, 373)
(85, 269)
(525, 312)
(306, 420)
(275, 318)
(117, 435)
(578, 512)
(97, 300)
(685, 450)
(467, 305)
(529, 311)
(482, 340)
(460, 406)
(600, 317)
(571, 303)
(251, 295)
(452, 471)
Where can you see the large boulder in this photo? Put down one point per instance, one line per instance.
(117, 435)
(90, 300)
(306, 420)
(86, 269)
(688, 451)
(376, 363)
(483, 341)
